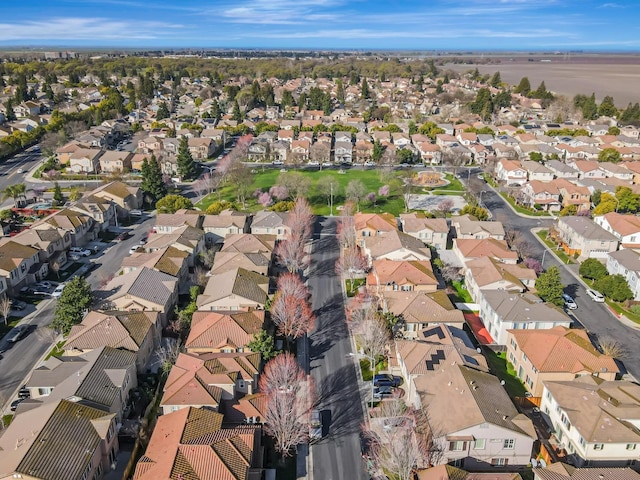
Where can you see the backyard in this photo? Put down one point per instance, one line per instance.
(393, 203)
(504, 371)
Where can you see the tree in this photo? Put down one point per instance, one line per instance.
(355, 192)
(596, 197)
(58, 197)
(347, 232)
(300, 221)
(364, 89)
(72, 305)
(593, 269)
(172, 203)
(184, 160)
(608, 203)
(296, 183)
(163, 112)
(289, 400)
(5, 307)
(568, 211)
(14, 191)
(496, 81)
(216, 207)
(262, 342)
(549, 286)
(628, 202)
(290, 254)
(533, 264)
(609, 154)
(328, 187)
(351, 263)
(524, 87)
(370, 330)
(444, 207)
(480, 213)
(607, 108)
(378, 151)
(152, 181)
(75, 194)
(241, 178)
(615, 287)
(292, 316)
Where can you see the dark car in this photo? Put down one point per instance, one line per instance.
(123, 236)
(24, 393)
(386, 380)
(17, 305)
(15, 403)
(382, 392)
(18, 333)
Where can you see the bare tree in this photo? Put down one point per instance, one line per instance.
(612, 348)
(444, 207)
(368, 328)
(296, 183)
(290, 397)
(328, 187)
(292, 316)
(167, 355)
(347, 232)
(355, 192)
(5, 307)
(290, 254)
(200, 276)
(75, 127)
(453, 159)
(291, 285)
(351, 263)
(300, 220)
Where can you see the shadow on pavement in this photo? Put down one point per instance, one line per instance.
(339, 393)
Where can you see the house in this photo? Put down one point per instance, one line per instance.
(141, 291)
(205, 380)
(113, 161)
(616, 171)
(223, 332)
(125, 197)
(594, 420)
(431, 352)
(191, 443)
(254, 262)
(300, 150)
(449, 472)
(236, 289)
(562, 170)
(395, 245)
(85, 160)
(102, 378)
(81, 228)
(477, 425)
(372, 224)
(169, 260)
(468, 226)
(171, 222)
(50, 241)
(587, 168)
(136, 332)
(61, 439)
(537, 171)
(430, 154)
(544, 194)
(266, 222)
(245, 410)
(102, 211)
(511, 172)
(419, 310)
(485, 273)
(469, 248)
(556, 354)
(406, 276)
(20, 264)
(584, 237)
(249, 243)
(227, 222)
(201, 148)
(432, 231)
(343, 152)
(573, 195)
(563, 471)
(502, 311)
(626, 228)
(626, 262)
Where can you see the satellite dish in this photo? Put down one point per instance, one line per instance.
(501, 382)
(479, 350)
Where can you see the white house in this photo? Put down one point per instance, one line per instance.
(626, 262)
(626, 228)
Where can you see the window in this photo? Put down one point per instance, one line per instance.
(509, 443)
(457, 446)
(631, 446)
(582, 442)
(598, 446)
(499, 462)
(479, 444)
(43, 392)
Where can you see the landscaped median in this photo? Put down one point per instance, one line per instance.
(522, 210)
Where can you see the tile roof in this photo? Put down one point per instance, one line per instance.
(54, 441)
(449, 472)
(217, 330)
(114, 329)
(393, 241)
(486, 247)
(415, 272)
(486, 271)
(412, 222)
(381, 222)
(249, 406)
(423, 307)
(562, 471)
(562, 349)
(601, 411)
(623, 224)
(191, 444)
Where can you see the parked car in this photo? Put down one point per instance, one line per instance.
(18, 333)
(569, 302)
(381, 392)
(43, 284)
(57, 293)
(595, 295)
(135, 213)
(24, 393)
(123, 236)
(15, 403)
(386, 380)
(134, 249)
(315, 427)
(84, 252)
(17, 305)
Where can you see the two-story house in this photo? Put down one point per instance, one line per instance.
(85, 160)
(485, 273)
(626, 228)
(582, 236)
(113, 161)
(537, 171)
(16, 263)
(545, 194)
(266, 222)
(511, 172)
(432, 231)
(223, 332)
(626, 262)
(236, 289)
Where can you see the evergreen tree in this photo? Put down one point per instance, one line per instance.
(10, 114)
(71, 306)
(364, 89)
(58, 198)
(186, 165)
(524, 87)
(237, 114)
(163, 112)
(340, 91)
(607, 108)
(215, 110)
(496, 81)
(549, 286)
(152, 182)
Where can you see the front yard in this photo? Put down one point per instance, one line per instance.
(566, 259)
(521, 209)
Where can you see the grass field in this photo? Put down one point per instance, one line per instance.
(393, 204)
(502, 369)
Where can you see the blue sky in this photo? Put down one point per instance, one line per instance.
(338, 24)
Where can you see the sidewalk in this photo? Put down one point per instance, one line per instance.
(523, 215)
(573, 270)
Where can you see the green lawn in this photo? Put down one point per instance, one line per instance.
(56, 351)
(461, 292)
(519, 209)
(62, 275)
(6, 419)
(558, 251)
(394, 204)
(504, 371)
(352, 287)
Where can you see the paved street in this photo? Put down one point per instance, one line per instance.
(592, 316)
(20, 358)
(337, 455)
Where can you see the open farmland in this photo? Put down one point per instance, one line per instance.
(569, 77)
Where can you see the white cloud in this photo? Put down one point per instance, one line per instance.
(73, 28)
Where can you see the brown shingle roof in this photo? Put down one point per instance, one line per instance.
(422, 307)
(217, 330)
(562, 471)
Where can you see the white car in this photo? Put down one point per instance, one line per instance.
(134, 249)
(569, 302)
(595, 295)
(20, 170)
(83, 252)
(57, 293)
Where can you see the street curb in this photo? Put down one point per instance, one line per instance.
(627, 323)
(531, 217)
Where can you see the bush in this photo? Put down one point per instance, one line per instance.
(593, 269)
(615, 287)
(216, 207)
(635, 309)
(282, 206)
